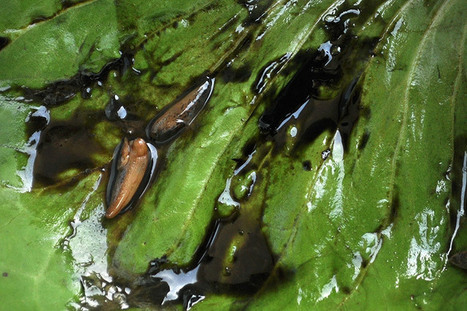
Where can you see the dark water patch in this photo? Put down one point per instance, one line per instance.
(234, 259)
(244, 45)
(330, 67)
(250, 263)
(71, 3)
(314, 130)
(60, 92)
(241, 74)
(365, 263)
(4, 41)
(395, 206)
(67, 3)
(313, 118)
(311, 74)
(37, 120)
(249, 148)
(301, 101)
(349, 111)
(365, 112)
(303, 85)
(130, 114)
(64, 145)
(115, 110)
(307, 165)
(339, 22)
(363, 140)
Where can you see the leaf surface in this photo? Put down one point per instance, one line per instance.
(356, 182)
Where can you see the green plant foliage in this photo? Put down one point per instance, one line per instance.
(81, 37)
(360, 214)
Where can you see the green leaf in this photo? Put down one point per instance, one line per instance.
(374, 227)
(359, 214)
(201, 177)
(17, 14)
(80, 37)
(33, 265)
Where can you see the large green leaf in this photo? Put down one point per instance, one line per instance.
(80, 37)
(360, 213)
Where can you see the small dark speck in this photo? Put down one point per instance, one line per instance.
(307, 165)
(364, 140)
(364, 263)
(365, 112)
(5, 274)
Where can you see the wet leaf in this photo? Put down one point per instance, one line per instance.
(79, 37)
(35, 266)
(376, 220)
(334, 142)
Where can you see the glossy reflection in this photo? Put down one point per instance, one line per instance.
(170, 122)
(131, 170)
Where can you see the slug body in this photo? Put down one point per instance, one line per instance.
(171, 121)
(129, 173)
(134, 162)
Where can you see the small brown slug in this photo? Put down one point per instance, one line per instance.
(171, 121)
(129, 176)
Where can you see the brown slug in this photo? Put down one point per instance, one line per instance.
(134, 161)
(172, 120)
(130, 167)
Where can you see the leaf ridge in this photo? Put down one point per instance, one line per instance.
(410, 75)
(364, 270)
